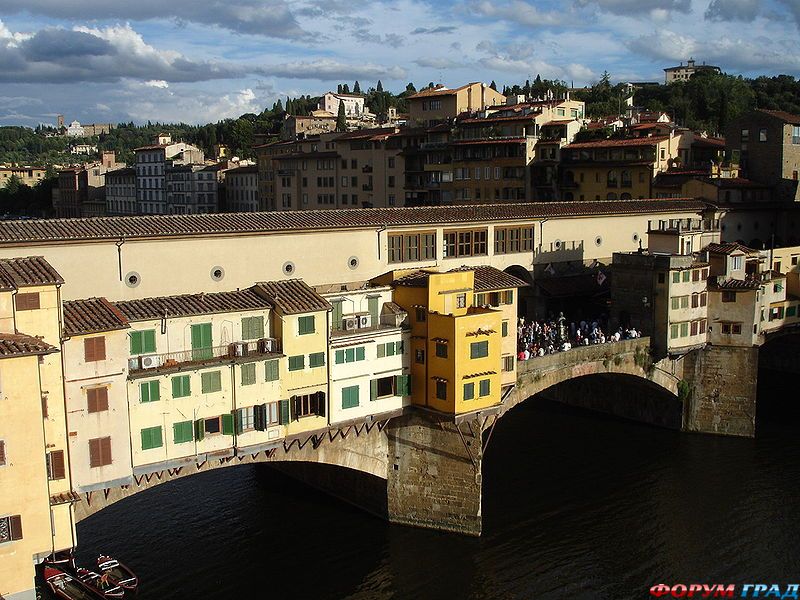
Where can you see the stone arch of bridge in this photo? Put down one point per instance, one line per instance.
(344, 453)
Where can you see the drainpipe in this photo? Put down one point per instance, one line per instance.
(379, 231)
(119, 255)
(328, 364)
(233, 404)
(541, 235)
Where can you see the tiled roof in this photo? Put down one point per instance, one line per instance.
(291, 155)
(784, 116)
(186, 305)
(437, 91)
(92, 315)
(488, 279)
(20, 345)
(646, 141)
(27, 272)
(736, 284)
(365, 133)
(517, 140)
(728, 248)
(709, 142)
(519, 117)
(247, 169)
(292, 296)
(157, 226)
(734, 182)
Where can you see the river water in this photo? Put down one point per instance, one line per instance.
(575, 505)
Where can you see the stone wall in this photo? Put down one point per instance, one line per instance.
(720, 390)
(433, 480)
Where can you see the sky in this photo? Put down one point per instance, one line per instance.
(207, 60)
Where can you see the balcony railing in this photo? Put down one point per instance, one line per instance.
(232, 351)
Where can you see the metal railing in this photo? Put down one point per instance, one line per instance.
(234, 350)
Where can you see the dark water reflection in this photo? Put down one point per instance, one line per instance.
(576, 505)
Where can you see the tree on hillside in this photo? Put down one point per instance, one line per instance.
(410, 89)
(380, 86)
(493, 85)
(345, 89)
(356, 88)
(341, 119)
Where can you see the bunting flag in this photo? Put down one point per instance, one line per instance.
(549, 269)
(600, 278)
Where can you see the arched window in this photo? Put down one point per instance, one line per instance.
(625, 196)
(626, 179)
(611, 178)
(611, 196)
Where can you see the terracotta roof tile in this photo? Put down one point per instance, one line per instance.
(438, 91)
(728, 248)
(736, 284)
(645, 141)
(158, 226)
(92, 315)
(517, 140)
(784, 116)
(292, 296)
(21, 345)
(27, 272)
(488, 279)
(186, 305)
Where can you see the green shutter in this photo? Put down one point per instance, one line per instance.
(238, 418)
(260, 417)
(199, 429)
(284, 412)
(339, 357)
(402, 385)
(306, 325)
(381, 350)
(252, 328)
(296, 363)
(360, 353)
(349, 355)
(152, 438)
(337, 314)
(469, 391)
(349, 397)
(316, 360)
(201, 341)
(479, 349)
(485, 387)
(390, 349)
(180, 386)
(373, 310)
(211, 382)
(227, 425)
(249, 374)
(136, 342)
(272, 370)
(144, 392)
(505, 328)
(373, 389)
(321, 404)
(149, 341)
(182, 432)
(400, 347)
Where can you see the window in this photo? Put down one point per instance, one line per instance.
(252, 328)
(676, 277)
(151, 438)
(305, 325)
(182, 432)
(100, 452)
(441, 350)
(10, 528)
(211, 382)
(461, 301)
(513, 239)
(729, 296)
(202, 341)
(181, 386)
(508, 363)
(465, 243)
(736, 328)
(350, 397)
(441, 390)
(297, 363)
(419, 356)
(796, 135)
(245, 419)
(736, 262)
(762, 135)
(143, 342)
(485, 387)
(420, 314)
(55, 465)
(686, 276)
(316, 359)
(382, 388)
(271, 369)
(412, 247)
(505, 329)
(2, 453)
(97, 399)
(479, 349)
(684, 329)
(94, 349)
(308, 405)
(469, 391)
(29, 301)
(673, 331)
(249, 374)
(388, 349)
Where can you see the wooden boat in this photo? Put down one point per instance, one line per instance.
(63, 585)
(119, 573)
(103, 584)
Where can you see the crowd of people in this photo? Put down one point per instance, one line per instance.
(537, 338)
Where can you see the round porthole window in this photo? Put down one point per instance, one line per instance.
(352, 262)
(635, 237)
(288, 268)
(557, 244)
(598, 241)
(132, 279)
(217, 273)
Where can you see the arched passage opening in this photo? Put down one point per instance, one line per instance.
(525, 304)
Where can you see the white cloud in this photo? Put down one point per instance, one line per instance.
(516, 11)
(157, 83)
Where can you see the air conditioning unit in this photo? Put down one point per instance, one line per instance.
(133, 363)
(151, 361)
(238, 349)
(363, 321)
(350, 323)
(266, 345)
